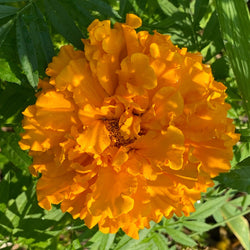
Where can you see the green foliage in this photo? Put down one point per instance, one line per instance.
(31, 33)
(237, 178)
(235, 20)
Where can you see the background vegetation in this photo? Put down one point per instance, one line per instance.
(31, 33)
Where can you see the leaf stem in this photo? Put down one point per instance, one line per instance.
(223, 222)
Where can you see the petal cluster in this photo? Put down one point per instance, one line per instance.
(127, 131)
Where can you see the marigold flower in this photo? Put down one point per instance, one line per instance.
(128, 131)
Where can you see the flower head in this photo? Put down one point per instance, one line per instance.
(128, 131)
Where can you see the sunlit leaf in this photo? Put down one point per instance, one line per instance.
(102, 241)
(239, 225)
(167, 7)
(180, 237)
(207, 208)
(197, 226)
(160, 241)
(127, 242)
(235, 22)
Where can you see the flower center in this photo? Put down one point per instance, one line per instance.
(115, 134)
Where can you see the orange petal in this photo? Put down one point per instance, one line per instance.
(133, 21)
(95, 139)
(111, 193)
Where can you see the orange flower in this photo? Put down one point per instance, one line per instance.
(128, 131)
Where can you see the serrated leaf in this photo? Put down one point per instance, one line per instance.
(167, 7)
(239, 225)
(6, 10)
(10, 148)
(127, 242)
(207, 208)
(160, 241)
(26, 52)
(41, 37)
(197, 226)
(102, 241)
(237, 178)
(5, 29)
(180, 237)
(235, 22)
(63, 23)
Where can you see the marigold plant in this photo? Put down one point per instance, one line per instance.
(128, 131)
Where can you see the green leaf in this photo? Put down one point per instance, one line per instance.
(124, 5)
(167, 7)
(127, 242)
(76, 244)
(212, 37)
(180, 237)
(54, 214)
(102, 241)
(6, 72)
(4, 192)
(206, 209)
(239, 226)
(21, 202)
(63, 23)
(5, 29)
(26, 52)
(10, 148)
(220, 68)
(160, 241)
(6, 10)
(197, 226)
(86, 16)
(235, 22)
(244, 134)
(237, 179)
(102, 7)
(44, 36)
(12, 1)
(200, 9)
(242, 201)
(14, 99)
